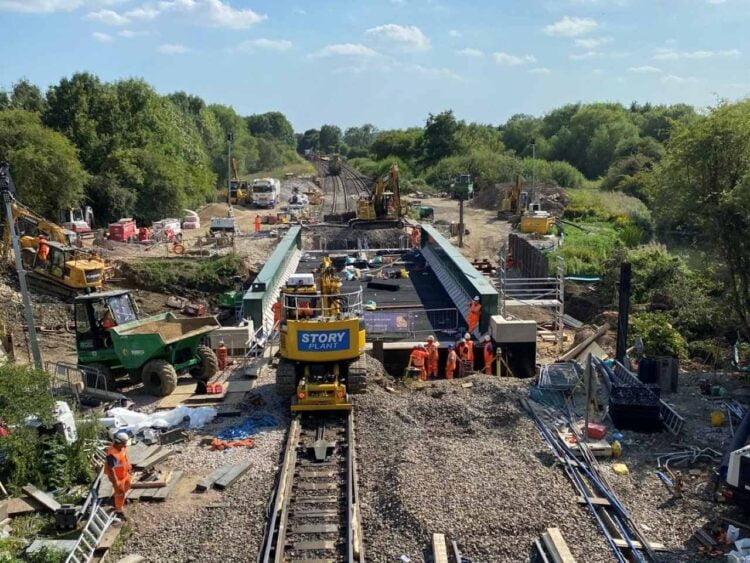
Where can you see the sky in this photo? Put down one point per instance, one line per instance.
(390, 62)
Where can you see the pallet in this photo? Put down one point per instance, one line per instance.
(556, 546)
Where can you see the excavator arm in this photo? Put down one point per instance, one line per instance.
(33, 221)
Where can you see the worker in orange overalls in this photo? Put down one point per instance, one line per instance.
(466, 355)
(43, 250)
(117, 469)
(276, 308)
(432, 357)
(304, 309)
(257, 223)
(107, 320)
(451, 363)
(489, 354)
(418, 359)
(475, 313)
(415, 237)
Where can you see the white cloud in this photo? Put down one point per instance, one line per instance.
(432, 72)
(129, 33)
(540, 70)
(102, 37)
(454, 33)
(513, 60)
(216, 13)
(145, 12)
(645, 69)
(173, 49)
(407, 36)
(253, 45)
(108, 17)
(586, 55)
(673, 54)
(716, 1)
(571, 27)
(39, 6)
(345, 50)
(469, 52)
(223, 15)
(674, 79)
(592, 42)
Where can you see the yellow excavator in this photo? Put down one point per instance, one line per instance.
(238, 189)
(383, 208)
(63, 269)
(322, 340)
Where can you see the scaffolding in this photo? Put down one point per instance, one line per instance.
(547, 294)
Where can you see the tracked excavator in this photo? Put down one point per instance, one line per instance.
(238, 189)
(383, 208)
(66, 270)
(322, 341)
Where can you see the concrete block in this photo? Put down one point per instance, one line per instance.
(505, 331)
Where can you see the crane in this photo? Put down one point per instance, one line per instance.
(383, 208)
(31, 225)
(238, 190)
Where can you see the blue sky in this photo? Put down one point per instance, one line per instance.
(390, 62)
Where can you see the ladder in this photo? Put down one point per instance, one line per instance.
(97, 524)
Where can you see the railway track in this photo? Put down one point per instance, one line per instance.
(314, 511)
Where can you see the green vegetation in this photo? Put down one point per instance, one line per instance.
(128, 151)
(660, 338)
(170, 275)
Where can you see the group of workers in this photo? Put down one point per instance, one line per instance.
(460, 359)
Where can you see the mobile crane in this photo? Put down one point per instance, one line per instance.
(383, 208)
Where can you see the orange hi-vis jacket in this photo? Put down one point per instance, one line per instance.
(467, 351)
(452, 360)
(418, 358)
(117, 465)
(432, 353)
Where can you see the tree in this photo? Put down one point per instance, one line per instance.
(192, 105)
(273, 125)
(27, 96)
(309, 141)
(703, 183)
(439, 139)
(44, 164)
(520, 132)
(244, 146)
(475, 136)
(402, 143)
(361, 138)
(110, 200)
(330, 138)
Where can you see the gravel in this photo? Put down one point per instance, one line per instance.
(466, 462)
(186, 527)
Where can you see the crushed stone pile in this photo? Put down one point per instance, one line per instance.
(552, 197)
(466, 462)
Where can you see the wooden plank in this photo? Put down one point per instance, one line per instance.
(24, 505)
(136, 494)
(154, 459)
(143, 454)
(156, 484)
(240, 386)
(596, 501)
(108, 539)
(207, 398)
(557, 547)
(162, 494)
(208, 481)
(655, 546)
(439, 549)
(235, 398)
(232, 475)
(48, 502)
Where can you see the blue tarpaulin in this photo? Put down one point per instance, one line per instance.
(250, 426)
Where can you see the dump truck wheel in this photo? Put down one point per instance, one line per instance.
(209, 365)
(159, 378)
(106, 381)
(356, 380)
(286, 378)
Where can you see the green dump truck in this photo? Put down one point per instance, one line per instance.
(114, 342)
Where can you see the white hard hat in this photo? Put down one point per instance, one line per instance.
(430, 338)
(467, 336)
(486, 337)
(476, 298)
(121, 437)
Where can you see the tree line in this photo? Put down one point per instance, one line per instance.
(126, 150)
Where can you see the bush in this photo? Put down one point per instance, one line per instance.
(174, 275)
(659, 337)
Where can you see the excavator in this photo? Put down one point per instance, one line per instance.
(515, 202)
(238, 189)
(529, 217)
(322, 342)
(383, 208)
(66, 270)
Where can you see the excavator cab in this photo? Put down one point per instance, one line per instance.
(64, 271)
(383, 209)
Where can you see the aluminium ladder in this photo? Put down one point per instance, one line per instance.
(98, 523)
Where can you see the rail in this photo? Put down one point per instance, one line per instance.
(314, 510)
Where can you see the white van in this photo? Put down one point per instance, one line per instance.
(265, 192)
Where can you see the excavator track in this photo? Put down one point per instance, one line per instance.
(48, 286)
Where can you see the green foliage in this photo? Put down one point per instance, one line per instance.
(329, 138)
(557, 172)
(211, 275)
(587, 252)
(703, 184)
(439, 139)
(361, 138)
(309, 140)
(403, 144)
(660, 338)
(27, 96)
(44, 164)
(474, 136)
(273, 125)
(605, 206)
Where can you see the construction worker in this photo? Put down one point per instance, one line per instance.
(304, 309)
(466, 355)
(415, 237)
(432, 357)
(451, 363)
(43, 250)
(489, 354)
(107, 320)
(257, 223)
(117, 469)
(276, 308)
(418, 359)
(475, 313)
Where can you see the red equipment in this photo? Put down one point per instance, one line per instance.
(144, 234)
(222, 354)
(125, 230)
